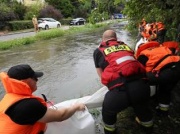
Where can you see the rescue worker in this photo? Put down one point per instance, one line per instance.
(141, 28)
(162, 69)
(35, 23)
(161, 32)
(172, 45)
(21, 112)
(123, 75)
(142, 24)
(153, 32)
(146, 33)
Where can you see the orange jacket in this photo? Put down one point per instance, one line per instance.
(155, 54)
(172, 45)
(15, 91)
(146, 32)
(145, 46)
(160, 26)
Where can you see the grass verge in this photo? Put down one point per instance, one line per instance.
(46, 35)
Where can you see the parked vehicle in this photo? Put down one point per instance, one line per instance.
(118, 16)
(78, 21)
(47, 23)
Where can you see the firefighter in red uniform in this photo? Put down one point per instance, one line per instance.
(163, 69)
(123, 75)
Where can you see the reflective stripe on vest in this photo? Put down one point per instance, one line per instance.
(125, 58)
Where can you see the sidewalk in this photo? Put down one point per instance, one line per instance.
(5, 33)
(21, 34)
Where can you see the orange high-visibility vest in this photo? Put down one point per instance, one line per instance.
(145, 46)
(16, 91)
(172, 45)
(155, 54)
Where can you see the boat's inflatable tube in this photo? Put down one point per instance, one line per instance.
(80, 122)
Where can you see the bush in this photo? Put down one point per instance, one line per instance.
(5, 13)
(20, 25)
(51, 12)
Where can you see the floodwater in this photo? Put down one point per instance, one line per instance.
(67, 63)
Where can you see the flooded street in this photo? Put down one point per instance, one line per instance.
(67, 63)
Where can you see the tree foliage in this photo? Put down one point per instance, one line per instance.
(65, 6)
(33, 10)
(6, 14)
(166, 11)
(50, 11)
(19, 9)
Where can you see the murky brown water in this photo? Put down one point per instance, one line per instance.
(67, 63)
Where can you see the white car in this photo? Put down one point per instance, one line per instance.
(47, 23)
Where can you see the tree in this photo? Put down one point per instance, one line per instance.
(166, 11)
(51, 12)
(64, 6)
(6, 13)
(19, 10)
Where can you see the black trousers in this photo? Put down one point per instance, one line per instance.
(166, 80)
(161, 36)
(135, 93)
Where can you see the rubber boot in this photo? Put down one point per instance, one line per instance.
(162, 113)
(110, 132)
(147, 129)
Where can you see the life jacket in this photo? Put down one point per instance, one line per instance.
(146, 32)
(142, 24)
(160, 26)
(121, 63)
(158, 57)
(153, 34)
(145, 46)
(172, 45)
(16, 91)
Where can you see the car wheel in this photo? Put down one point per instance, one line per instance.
(77, 23)
(46, 27)
(58, 26)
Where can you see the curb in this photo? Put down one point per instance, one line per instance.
(11, 33)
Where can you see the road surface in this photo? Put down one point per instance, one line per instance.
(17, 35)
(29, 32)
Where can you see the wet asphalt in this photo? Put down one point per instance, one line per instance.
(21, 34)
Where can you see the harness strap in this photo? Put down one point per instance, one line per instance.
(161, 60)
(121, 80)
(44, 97)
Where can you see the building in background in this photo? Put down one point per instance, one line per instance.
(30, 2)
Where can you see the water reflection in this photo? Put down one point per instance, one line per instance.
(67, 63)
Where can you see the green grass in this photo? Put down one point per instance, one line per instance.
(16, 42)
(46, 35)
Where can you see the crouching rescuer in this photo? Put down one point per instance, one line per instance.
(125, 78)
